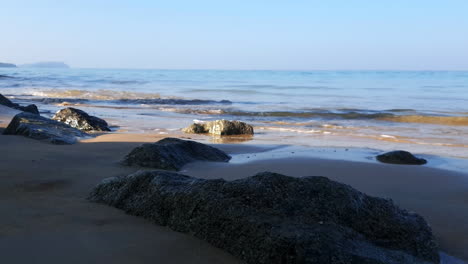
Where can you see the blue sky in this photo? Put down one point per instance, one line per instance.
(255, 34)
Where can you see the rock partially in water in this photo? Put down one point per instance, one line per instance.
(173, 154)
(41, 128)
(272, 218)
(81, 120)
(220, 127)
(400, 157)
(30, 108)
(6, 102)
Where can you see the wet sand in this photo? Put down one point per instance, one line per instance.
(46, 218)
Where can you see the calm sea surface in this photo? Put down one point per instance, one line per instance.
(421, 111)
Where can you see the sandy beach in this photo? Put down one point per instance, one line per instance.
(43, 191)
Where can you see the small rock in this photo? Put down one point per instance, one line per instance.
(81, 120)
(30, 108)
(173, 154)
(41, 128)
(272, 218)
(400, 157)
(220, 127)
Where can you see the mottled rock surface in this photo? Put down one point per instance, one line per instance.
(400, 157)
(220, 127)
(173, 154)
(81, 120)
(272, 218)
(30, 108)
(41, 128)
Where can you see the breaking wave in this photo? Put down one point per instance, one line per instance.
(115, 97)
(95, 95)
(352, 115)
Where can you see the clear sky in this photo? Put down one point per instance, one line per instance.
(238, 34)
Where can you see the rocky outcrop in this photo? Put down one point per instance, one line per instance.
(81, 120)
(173, 154)
(41, 128)
(272, 218)
(220, 127)
(400, 157)
(30, 108)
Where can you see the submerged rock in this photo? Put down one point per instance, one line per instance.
(220, 127)
(272, 218)
(173, 154)
(400, 157)
(81, 120)
(41, 128)
(30, 108)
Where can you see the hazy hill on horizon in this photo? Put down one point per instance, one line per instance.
(46, 64)
(7, 65)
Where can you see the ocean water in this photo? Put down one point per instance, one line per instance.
(421, 111)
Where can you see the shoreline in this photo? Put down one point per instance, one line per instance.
(43, 187)
(326, 127)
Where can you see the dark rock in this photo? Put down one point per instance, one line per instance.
(272, 218)
(41, 128)
(30, 108)
(173, 154)
(221, 127)
(400, 157)
(6, 102)
(81, 120)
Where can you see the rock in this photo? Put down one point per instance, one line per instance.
(173, 154)
(6, 102)
(400, 157)
(220, 127)
(41, 128)
(30, 108)
(195, 128)
(272, 218)
(80, 119)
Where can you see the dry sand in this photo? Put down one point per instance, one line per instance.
(46, 218)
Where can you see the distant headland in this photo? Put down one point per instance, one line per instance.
(42, 64)
(46, 64)
(7, 65)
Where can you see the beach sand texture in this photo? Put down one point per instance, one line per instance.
(46, 218)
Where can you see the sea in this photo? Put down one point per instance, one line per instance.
(424, 112)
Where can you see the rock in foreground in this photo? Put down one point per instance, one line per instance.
(81, 120)
(220, 127)
(400, 157)
(173, 154)
(272, 218)
(30, 108)
(41, 128)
